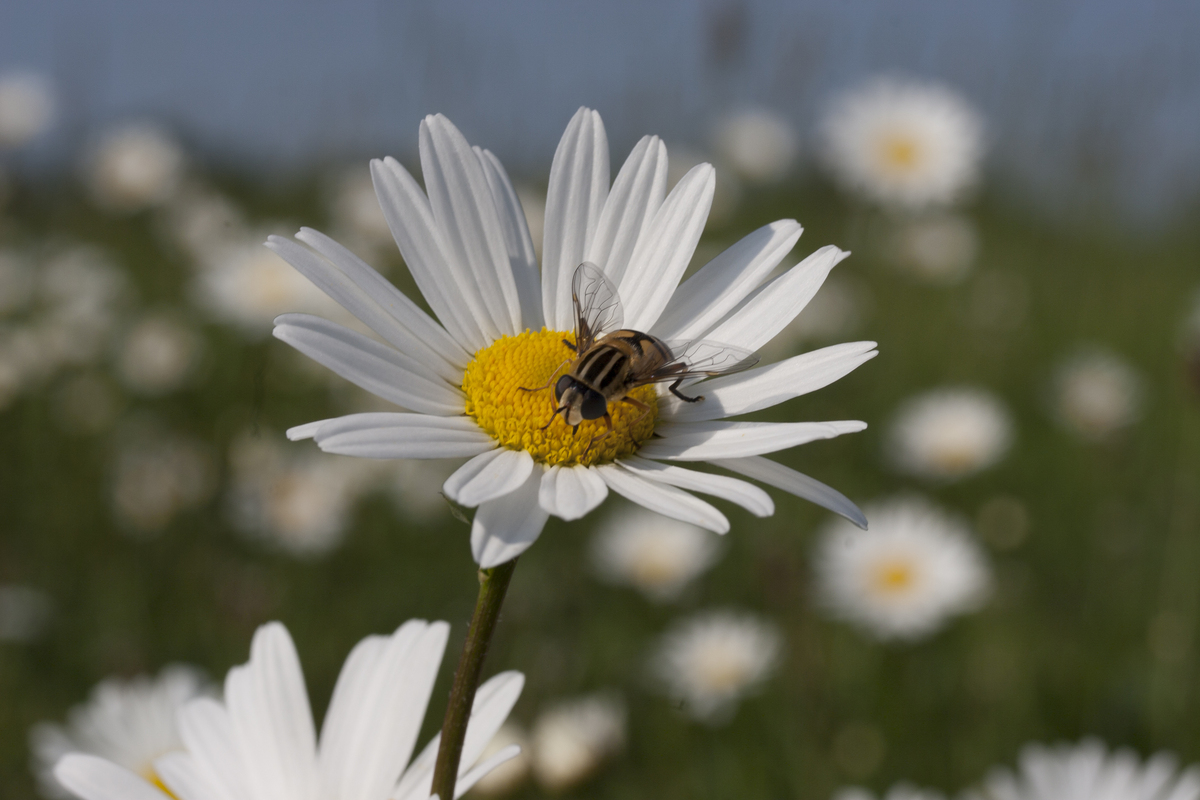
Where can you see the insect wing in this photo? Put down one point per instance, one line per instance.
(597, 305)
(702, 358)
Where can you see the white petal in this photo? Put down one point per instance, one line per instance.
(771, 307)
(368, 296)
(188, 780)
(703, 299)
(272, 722)
(94, 778)
(377, 710)
(665, 248)
(207, 734)
(793, 482)
(634, 199)
(571, 492)
(488, 476)
(665, 500)
(746, 495)
(384, 435)
(505, 527)
(574, 201)
(701, 441)
(770, 385)
(521, 254)
(408, 214)
(472, 238)
(477, 772)
(381, 370)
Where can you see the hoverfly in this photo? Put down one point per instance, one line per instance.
(610, 361)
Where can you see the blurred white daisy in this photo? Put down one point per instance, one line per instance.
(507, 777)
(130, 723)
(24, 612)
(355, 213)
(915, 567)
(1090, 771)
(709, 662)
(1096, 393)
(500, 326)
(947, 434)
(572, 739)
(898, 791)
(656, 555)
(26, 107)
(157, 353)
(156, 476)
(261, 743)
(298, 501)
(759, 144)
(133, 167)
(80, 292)
(903, 143)
(937, 248)
(202, 223)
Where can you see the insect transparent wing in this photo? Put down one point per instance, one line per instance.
(597, 305)
(702, 358)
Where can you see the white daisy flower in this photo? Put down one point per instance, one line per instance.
(939, 248)
(899, 791)
(1090, 771)
(26, 107)
(903, 143)
(512, 773)
(572, 739)
(261, 743)
(656, 555)
(130, 723)
(134, 167)
(1096, 393)
(155, 477)
(904, 578)
(501, 327)
(24, 612)
(202, 223)
(949, 434)
(711, 661)
(157, 354)
(758, 144)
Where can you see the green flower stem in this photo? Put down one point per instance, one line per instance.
(493, 585)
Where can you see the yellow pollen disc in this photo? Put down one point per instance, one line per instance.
(153, 778)
(894, 577)
(493, 385)
(899, 153)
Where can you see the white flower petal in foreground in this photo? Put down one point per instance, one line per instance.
(571, 740)
(915, 567)
(500, 321)
(949, 434)
(130, 723)
(711, 661)
(26, 107)
(261, 742)
(899, 791)
(134, 167)
(1090, 771)
(903, 143)
(1096, 394)
(657, 555)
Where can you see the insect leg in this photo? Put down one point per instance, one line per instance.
(547, 383)
(608, 424)
(561, 410)
(674, 388)
(633, 401)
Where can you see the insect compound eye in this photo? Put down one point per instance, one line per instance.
(594, 406)
(563, 384)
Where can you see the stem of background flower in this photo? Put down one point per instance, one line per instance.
(493, 584)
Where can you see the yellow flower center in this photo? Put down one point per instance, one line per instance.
(152, 777)
(899, 153)
(894, 577)
(494, 384)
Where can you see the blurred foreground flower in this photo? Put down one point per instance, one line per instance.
(130, 723)
(134, 167)
(657, 555)
(1089, 771)
(899, 791)
(758, 144)
(949, 434)
(709, 662)
(466, 243)
(24, 612)
(261, 743)
(903, 143)
(1096, 394)
(26, 107)
(903, 578)
(571, 740)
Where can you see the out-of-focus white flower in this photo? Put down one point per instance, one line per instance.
(24, 613)
(948, 434)
(899, 791)
(26, 107)
(656, 555)
(80, 291)
(355, 212)
(903, 143)
(939, 248)
(128, 722)
(157, 476)
(134, 167)
(574, 738)
(157, 354)
(16, 281)
(297, 500)
(758, 143)
(202, 222)
(710, 661)
(512, 773)
(1096, 394)
(904, 577)
(1090, 771)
